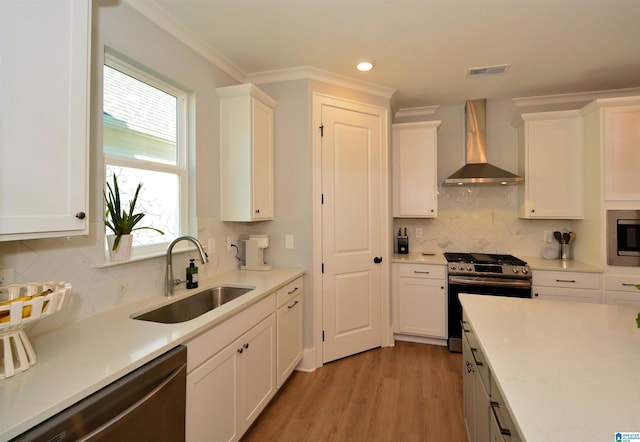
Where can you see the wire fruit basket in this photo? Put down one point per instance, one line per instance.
(21, 305)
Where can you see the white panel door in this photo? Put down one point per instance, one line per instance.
(352, 236)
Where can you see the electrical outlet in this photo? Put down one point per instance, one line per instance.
(288, 241)
(418, 232)
(211, 246)
(6, 276)
(548, 236)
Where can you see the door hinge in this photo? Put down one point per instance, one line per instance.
(322, 335)
(322, 130)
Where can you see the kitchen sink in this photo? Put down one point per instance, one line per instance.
(195, 305)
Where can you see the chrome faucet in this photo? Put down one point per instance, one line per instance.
(169, 282)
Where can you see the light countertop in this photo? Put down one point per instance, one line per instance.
(77, 360)
(568, 371)
(536, 263)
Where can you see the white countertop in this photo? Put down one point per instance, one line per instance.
(536, 263)
(568, 371)
(77, 360)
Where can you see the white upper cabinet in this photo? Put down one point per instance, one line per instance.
(622, 153)
(44, 115)
(246, 154)
(551, 159)
(415, 170)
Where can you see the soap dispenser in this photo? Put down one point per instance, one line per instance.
(192, 275)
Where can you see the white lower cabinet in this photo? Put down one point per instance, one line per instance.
(420, 300)
(289, 329)
(567, 286)
(231, 374)
(485, 414)
(622, 289)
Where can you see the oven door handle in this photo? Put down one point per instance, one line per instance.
(490, 282)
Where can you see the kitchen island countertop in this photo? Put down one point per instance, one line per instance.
(79, 359)
(568, 371)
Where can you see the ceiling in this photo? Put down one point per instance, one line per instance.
(423, 48)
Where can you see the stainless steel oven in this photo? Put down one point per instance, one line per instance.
(482, 274)
(623, 238)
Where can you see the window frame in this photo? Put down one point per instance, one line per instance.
(183, 152)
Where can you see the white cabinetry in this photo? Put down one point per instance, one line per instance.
(289, 329)
(551, 159)
(622, 289)
(246, 154)
(567, 286)
(44, 115)
(415, 170)
(420, 300)
(231, 374)
(621, 153)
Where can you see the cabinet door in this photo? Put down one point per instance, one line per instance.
(262, 201)
(289, 337)
(44, 109)
(622, 298)
(256, 371)
(469, 390)
(212, 398)
(567, 294)
(553, 169)
(415, 170)
(422, 307)
(621, 152)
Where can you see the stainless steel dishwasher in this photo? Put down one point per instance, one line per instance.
(148, 404)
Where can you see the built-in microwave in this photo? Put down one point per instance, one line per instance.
(623, 238)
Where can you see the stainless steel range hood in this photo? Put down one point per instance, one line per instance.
(477, 171)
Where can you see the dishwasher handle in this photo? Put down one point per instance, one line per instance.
(146, 398)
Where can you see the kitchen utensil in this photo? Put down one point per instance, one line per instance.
(558, 236)
(565, 238)
(572, 237)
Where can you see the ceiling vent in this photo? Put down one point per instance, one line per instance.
(487, 70)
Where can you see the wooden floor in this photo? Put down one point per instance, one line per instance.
(410, 392)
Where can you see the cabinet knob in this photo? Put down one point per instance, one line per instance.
(377, 259)
(257, 210)
(246, 345)
(533, 210)
(240, 350)
(81, 215)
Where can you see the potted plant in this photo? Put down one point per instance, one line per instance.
(121, 222)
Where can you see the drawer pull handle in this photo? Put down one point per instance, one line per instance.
(473, 353)
(293, 305)
(630, 284)
(422, 272)
(494, 407)
(292, 291)
(566, 280)
(466, 330)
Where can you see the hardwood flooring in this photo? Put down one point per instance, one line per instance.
(410, 392)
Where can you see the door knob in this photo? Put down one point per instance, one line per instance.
(377, 259)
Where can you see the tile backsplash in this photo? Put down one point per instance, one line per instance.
(479, 219)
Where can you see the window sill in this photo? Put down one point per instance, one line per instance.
(146, 257)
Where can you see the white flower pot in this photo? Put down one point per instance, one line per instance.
(123, 251)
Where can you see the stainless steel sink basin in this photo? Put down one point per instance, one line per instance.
(194, 306)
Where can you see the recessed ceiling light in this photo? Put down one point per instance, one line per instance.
(364, 65)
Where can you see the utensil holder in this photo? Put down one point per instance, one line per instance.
(565, 252)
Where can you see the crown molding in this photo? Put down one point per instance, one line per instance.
(313, 73)
(414, 112)
(574, 97)
(164, 20)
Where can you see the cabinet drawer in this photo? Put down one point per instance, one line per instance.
(421, 271)
(289, 291)
(578, 280)
(623, 283)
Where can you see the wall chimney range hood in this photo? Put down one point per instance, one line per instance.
(477, 171)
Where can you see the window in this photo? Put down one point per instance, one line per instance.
(144, 140)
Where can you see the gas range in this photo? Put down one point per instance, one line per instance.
(487, 264)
